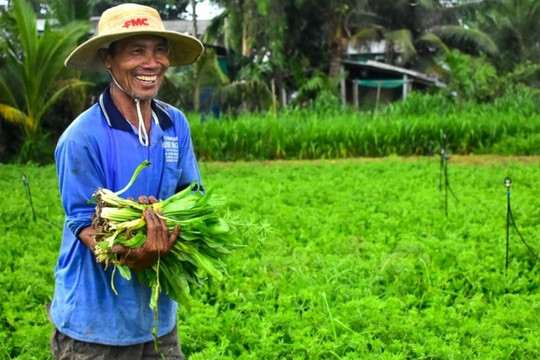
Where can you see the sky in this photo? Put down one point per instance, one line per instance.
(205, 10)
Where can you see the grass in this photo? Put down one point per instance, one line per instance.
(421, 125)
(362, 263)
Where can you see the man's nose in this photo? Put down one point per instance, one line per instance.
(152, 59)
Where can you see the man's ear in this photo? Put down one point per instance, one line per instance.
(105, 57)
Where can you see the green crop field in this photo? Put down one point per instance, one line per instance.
(363, 261)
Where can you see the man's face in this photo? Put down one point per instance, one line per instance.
(139, 64)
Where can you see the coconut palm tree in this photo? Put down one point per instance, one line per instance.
(417, 32)
(67, 11)
(515, 26)
(34, 77)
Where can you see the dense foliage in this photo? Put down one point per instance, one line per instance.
(259, 57)
(508, 126)
(362, 263)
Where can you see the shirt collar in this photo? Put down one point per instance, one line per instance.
(116, 120)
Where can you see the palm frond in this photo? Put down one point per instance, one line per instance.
(403, 39)
(12, 114)
(208, 70)
(470, 41)
(216, 28)
(67, 11)
(250, 95)
(367, 34)
(35, 66)
(8, 95)
(26, 24)
(54, 47)
(319, 83)
(52, 99)
(433, 41)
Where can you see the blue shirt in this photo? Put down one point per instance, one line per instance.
(102, 149)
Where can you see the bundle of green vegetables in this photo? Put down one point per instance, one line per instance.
(206, 236)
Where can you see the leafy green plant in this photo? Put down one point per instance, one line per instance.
(514, 145)
(471, 78)
(412, 127)
(31, 81)
(400, 279)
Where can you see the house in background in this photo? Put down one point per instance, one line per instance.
(371, 81)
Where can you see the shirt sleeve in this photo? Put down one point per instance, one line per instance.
(79, 176)
(187, 158)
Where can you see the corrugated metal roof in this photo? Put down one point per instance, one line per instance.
(418, 76)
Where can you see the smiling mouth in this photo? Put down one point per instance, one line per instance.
(146, 78)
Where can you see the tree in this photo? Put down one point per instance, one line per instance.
(281, 42)
(67, 11)
(336, 17)
(34, 76)
(253, 31)
(515, 25)
(471, 78)
(293, 40)
(184, 86)
(418, 33)
(168, 9)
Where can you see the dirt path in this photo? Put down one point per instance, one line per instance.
(458, 159)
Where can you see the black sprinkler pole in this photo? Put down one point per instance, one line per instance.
(507, 183)
(444, 175)
(511, 221)
(28, 195)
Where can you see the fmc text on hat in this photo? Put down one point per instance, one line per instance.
(129, 20)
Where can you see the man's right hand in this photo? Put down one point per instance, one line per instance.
(158, 240)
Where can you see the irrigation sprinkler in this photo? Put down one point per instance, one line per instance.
(443, 174)
(510, 221)
(507, 183)
(28, 195)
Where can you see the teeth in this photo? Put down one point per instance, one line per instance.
(147, 78)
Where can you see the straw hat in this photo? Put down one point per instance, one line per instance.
(128, 20)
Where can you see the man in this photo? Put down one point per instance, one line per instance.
(102, 148)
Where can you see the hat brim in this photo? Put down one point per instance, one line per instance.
(184, 50)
